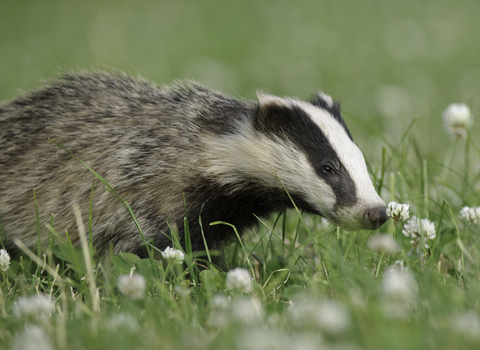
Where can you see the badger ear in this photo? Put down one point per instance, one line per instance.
(322, 100)
(272, 109)
(265, 99)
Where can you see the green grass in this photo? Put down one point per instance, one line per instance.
(307, 276)
(395, 66)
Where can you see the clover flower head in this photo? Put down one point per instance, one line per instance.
(329, 316)
(332, 317)
(182, 291)
(240, 280)
(383, 243)
(132, 286)
(457, 118)
(4, 260)
(396, 266)
(220, 302)
(35, 309)
(399, 290)
(324, 224)
(32, 337)
(247, 310)
(466, 324)
(470, 214)
(414, 227)
(220, 317)
(172, 255)
(123, 322)
(398, 211)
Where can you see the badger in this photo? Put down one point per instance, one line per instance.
(174, 152)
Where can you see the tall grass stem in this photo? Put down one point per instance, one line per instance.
(87, 257)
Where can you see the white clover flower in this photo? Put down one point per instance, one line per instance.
(466, 324)
(324, 224)
(399, 291)
(132, 286)
(414, 227)
(471, 215)
(220, 315)
(333, 317)
(383, 243)
(312, 223)
(32, 337)
(34, 309)
(4, 260)
(262, 338)
(329, 316)
(220, 302)
(240, 280)
(219, 319)
(123, 322)
(399, 284)
(457, 118)
(398, 211)
(182, 291)
(247, 310)
(396, 266)
(175, 256)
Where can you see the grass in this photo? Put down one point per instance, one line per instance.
(395, 66)
(315, 285)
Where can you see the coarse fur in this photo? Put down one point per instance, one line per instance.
(155, 146)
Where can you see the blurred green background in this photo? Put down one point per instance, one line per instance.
(386, 61)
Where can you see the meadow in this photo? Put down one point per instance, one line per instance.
(396, 67)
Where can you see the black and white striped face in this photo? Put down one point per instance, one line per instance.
(320, 161)
(309, 147)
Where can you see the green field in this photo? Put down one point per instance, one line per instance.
(394, 65)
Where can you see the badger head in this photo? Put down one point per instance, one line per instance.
(307, 148)
(328, 169)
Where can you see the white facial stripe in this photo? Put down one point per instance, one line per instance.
(231, 158)
(348, 153)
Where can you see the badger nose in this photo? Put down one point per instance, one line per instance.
(376, 217)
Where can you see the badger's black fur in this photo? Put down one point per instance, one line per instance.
(155, 146)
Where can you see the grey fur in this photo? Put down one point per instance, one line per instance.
(148, 143)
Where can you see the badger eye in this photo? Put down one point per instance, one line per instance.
(328, 169)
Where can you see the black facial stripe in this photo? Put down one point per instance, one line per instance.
(334, 110)
(292, 123)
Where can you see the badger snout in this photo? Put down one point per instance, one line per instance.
(375, 217)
